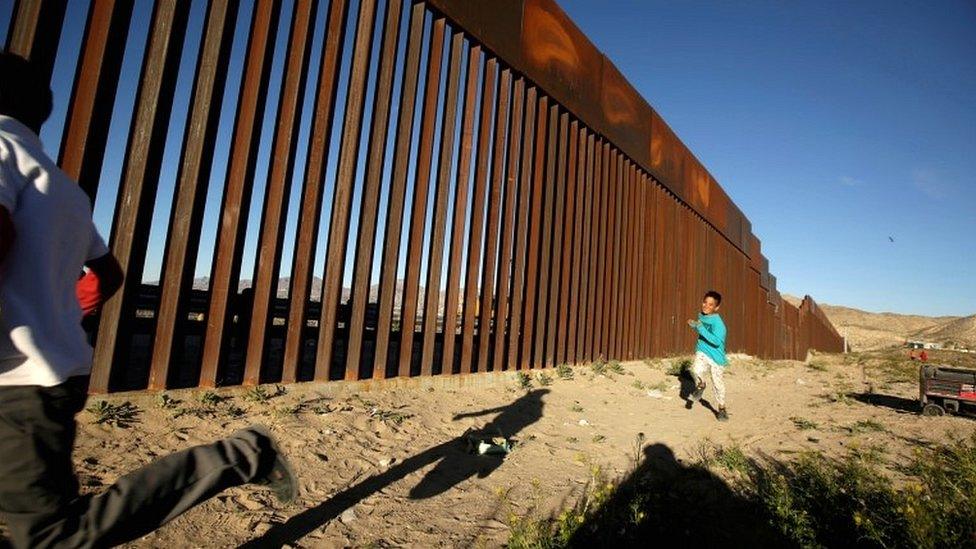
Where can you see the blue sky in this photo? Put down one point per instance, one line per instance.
(833, 125)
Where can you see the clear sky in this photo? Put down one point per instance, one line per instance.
(833, 125)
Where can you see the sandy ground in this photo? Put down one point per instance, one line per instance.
(389, 467)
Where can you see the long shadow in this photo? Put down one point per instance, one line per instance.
(896, 403)
(665, 503)
(687, 388)
(454, 465)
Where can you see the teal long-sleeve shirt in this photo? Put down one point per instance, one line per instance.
(711, 337)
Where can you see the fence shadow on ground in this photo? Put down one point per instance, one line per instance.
(454, 465)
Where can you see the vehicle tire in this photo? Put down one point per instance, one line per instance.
(933, 410)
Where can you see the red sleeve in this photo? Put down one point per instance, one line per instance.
(89, 296)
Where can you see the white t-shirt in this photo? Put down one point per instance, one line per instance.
(41, 339)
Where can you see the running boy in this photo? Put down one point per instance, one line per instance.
(710, 350)
(46, 236)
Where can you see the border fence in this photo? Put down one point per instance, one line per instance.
(380, 188)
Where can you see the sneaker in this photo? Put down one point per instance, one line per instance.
(699, 391)
(722, 415)
(281, 477)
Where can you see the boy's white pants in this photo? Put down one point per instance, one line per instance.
(702, 365)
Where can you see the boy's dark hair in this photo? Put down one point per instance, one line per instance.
(25, 93)
(714, 295)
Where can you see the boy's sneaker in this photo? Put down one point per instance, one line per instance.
(722, 415)
(699, 391)
(281, 477)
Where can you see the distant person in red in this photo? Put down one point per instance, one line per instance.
(923, 356)
(46, 238)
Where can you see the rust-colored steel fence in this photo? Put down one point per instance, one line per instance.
(377, 188)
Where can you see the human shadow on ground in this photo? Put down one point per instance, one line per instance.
(664, 502)
(454, 465)
(687, 387)
(896, 403)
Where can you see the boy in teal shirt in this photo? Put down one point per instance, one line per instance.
(710, 350)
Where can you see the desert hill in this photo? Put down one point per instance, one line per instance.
(867, 330)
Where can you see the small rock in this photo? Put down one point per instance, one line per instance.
(386, 462)
(800, 382)
(348, 516)
(654, 393)
(813, 439)
(583, 422)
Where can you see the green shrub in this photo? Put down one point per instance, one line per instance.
(803, 424)
(121, 415)
(811, 501)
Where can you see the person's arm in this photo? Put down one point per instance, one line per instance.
(7, 233)
(103, 279)
(716, 338)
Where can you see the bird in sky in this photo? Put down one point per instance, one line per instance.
(891, 239)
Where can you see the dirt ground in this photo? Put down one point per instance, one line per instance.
(390, 467)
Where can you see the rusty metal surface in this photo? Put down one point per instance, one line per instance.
(283, 149)
(489, 90)
(516, 329)
(586, 197)
(486, 305)
(436, 248)
(560, 59)
(311, 200)
(556, 245)
(397, 192)
(462, 186)
(35, 29)
(572, 334)
(593, 231)
(369, 203)
(192, 180)
(93, 96)
(143, 158)
(535, 224)
(342, 197)
(544, 288)
(421, 187)
(502, 327)
(237, 187)
(602, 220)
(496, 24)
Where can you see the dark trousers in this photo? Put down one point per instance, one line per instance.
(39, 497)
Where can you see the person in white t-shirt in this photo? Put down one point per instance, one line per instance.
(47, 240)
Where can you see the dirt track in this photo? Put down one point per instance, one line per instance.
(390, 467)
